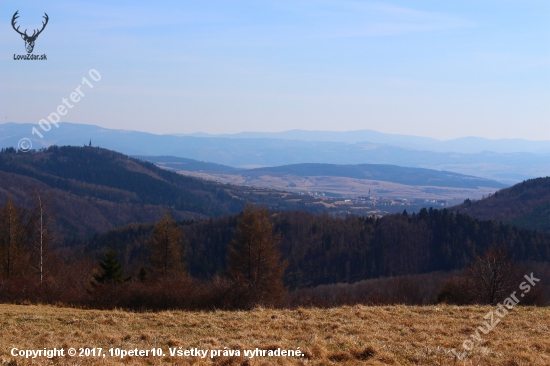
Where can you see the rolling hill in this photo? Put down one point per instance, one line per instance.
(97, 189)
(341, 180)
(175, 163)
(381, 172)
(525, 205)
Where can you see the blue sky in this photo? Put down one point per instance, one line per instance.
(443, 69)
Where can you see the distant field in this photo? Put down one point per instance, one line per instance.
(344, 186)
(388, 335)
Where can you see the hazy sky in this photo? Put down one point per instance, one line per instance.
(436, 68)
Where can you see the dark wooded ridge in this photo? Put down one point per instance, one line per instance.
(322, 249)
(526, 205)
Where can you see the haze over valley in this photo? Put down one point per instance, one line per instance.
(509, 167)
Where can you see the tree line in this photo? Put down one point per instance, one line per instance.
(243, 260)
(321, 249)
(26, 237)
(31, 270)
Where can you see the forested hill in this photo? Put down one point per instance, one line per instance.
(175, 163)
(97, 189)
(525, 205)
(322, 249)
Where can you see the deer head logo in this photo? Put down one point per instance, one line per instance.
(29, 40)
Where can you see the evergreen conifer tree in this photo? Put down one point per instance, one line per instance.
(142, 275)
(112, 269)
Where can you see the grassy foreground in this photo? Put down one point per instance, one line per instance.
(358, 335)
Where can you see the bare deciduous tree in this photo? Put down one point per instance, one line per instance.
(254, 261)
(13, 234)
(488, 279)
(165, 248)
(43, 237)
(492, 277)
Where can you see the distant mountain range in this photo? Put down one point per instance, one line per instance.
(529, 159)
(466, 145)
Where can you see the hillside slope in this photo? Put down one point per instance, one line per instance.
(526, 205)
(96, 189)
(83, 215)
(175, 163)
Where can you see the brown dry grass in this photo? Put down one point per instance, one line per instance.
(345, 186)
(358, 335)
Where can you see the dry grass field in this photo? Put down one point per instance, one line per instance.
(358, 335)
(343, 185)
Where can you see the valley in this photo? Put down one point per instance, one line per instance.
(349, 188)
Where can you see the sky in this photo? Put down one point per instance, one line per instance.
(442, 69)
